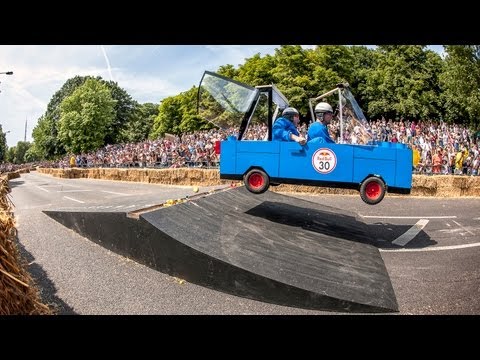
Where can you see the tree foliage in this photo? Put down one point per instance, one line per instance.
(178, 114)
(460, 83)
(18, 154)
(404, 82)
(126, 112)
(45, 133)
(86, 116)
(21, 150)
(140, 124)
(3, 145)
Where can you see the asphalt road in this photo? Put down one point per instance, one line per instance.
(430, 246)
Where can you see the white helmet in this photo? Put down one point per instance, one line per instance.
(323, 107)
(290, 111)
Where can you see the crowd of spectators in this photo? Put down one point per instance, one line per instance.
(441, 148)
(8, 167)
(189, 150)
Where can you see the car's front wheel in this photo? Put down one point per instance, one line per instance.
(256, 181)
(372, 190)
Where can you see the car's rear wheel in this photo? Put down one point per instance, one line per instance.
(372, 190)
(256, 181)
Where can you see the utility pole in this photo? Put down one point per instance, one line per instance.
(25, 137)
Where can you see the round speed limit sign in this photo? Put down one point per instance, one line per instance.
(324, 160)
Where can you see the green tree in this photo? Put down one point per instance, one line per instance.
(337, 58)
(178, 114)
(140, 125)
(3, 145)
(32, 155)
(125, 112)
(404, 82)
(293, 75)
(20, 151)
(364, 62)
(10, 155)
(257, 70)
(86, 116)
(168, 118)
(228, 71)
(45, 137)
(460, 82)
(45, 134)
(188, 107)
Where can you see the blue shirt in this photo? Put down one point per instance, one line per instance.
(282, 128)
(320, 131)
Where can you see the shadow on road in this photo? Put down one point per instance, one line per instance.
(15, 182)
(339, 224)
(45, 286)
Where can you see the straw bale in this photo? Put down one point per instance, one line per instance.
(18, 293)
(422, 185)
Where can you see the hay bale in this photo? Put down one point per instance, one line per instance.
(422, 185)
(472, 186)
(18, 293)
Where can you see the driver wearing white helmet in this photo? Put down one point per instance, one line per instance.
(285, 127)
(319, 130)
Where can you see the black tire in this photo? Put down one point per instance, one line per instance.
(256, 181)
(372, 190)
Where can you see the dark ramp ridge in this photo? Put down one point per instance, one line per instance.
(267, 247)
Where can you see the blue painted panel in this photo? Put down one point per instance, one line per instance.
(256, 146)
(404, 169)
(384, 168)
(374, 152)
(321, 162)
(268, 162)
(228, 152)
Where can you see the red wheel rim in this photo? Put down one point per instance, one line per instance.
(373, 190)
(255, 181)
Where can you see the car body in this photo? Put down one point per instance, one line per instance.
(373, 168)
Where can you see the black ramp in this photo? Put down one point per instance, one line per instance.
(267, 247)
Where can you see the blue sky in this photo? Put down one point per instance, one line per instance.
(148, 73)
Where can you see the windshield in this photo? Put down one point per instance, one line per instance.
(356, 128)
(350, 125)
(278, 98)
(224, 102)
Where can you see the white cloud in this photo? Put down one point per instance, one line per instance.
(147, 73)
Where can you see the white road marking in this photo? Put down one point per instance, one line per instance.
(57, 184)
(42, 188)
(407, 217)
(464, 228)
(64, 191)
(405, 238)
(433, 248)
(115, 193)
(69, 198)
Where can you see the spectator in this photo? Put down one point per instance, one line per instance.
(72, 161)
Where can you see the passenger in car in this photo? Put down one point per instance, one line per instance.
(318, 131)
(285, 127)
